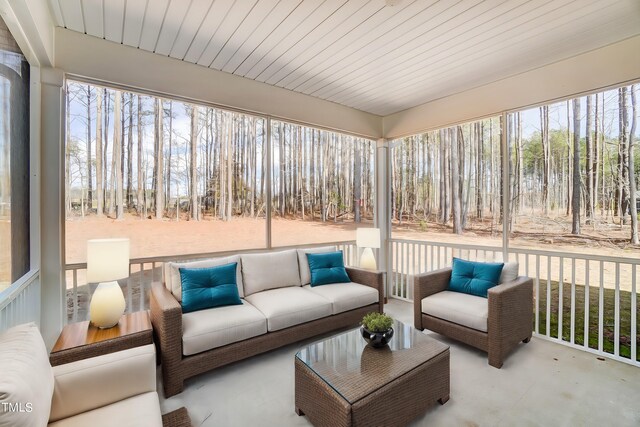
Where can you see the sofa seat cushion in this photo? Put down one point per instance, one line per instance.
(285, 307)
(214, 327)
(345, 296)
(464, 309)
(269, 270)
(142, 410)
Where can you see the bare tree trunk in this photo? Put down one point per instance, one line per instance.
(230, 169)
(99, 183)
(117, 147)
(455, 182)
(194, 157)
(632, 175)
(141, 199)
(357, 182)
(130, 154)
(575, 201)
(67, 155)
(89, 166)
(589, 165)
(546, 156)
(159, 137)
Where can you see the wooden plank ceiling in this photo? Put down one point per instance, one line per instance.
(360, 53)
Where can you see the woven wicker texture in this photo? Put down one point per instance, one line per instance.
(510, 318)
(96, 349)
(381, 387)
(166, 317)
(177, 418)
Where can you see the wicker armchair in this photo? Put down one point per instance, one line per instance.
(509, 318)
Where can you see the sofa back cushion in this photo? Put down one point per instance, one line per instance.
(173, 282)
(209, 287)
(269, 270)
(474, 278)
(327, 268)
(305, 273)
(26, 377)
(509, 272)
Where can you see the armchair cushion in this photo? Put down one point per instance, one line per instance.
(456, 307)
(509, 272)
(92, 383)
(209, 287)
(142, 410)
(474, 278)
(26, 377)
(327, 268)
(305, 273)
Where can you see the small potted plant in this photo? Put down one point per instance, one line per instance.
(377, 329)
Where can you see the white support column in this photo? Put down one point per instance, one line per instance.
(506, 183)
(52, 204)
(382, 203)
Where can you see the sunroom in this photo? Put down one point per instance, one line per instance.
(290, 146)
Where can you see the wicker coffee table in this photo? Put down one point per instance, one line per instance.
(341, 381)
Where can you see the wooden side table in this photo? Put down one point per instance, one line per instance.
(82, 340)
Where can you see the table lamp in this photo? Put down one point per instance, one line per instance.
(107, 262)
(368, 238)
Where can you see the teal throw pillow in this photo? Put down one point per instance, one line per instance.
(327, 268)
(209, 287)
(474, 278)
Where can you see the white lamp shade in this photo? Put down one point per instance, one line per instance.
(107, 259)
(368, 237)
(107, 305)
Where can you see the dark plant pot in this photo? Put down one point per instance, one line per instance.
(377, 339)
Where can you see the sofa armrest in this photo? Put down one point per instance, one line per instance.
(371, 278)
(99, 381)
(511, 311)
(426, 284)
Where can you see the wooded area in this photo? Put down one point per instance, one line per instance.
(154, 158)
(581, 166)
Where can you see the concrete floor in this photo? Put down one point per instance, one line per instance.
(540, 384)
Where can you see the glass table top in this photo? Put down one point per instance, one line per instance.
(354, 369)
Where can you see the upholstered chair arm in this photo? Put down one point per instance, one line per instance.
(371, 278)
(426, 284)
(510, 313)
(98, 381)
(166, 317)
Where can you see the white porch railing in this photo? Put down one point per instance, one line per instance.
(144, 271)
(20, 303)
(582, 300)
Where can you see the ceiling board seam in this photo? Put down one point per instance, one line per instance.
(84, 19)
(348, 85)
(245, 40)
(124, 19)
(265, 38)
(331, 44)
(589, 30)
(300, 39)
(366, 45)
(184, 18)
(409, 86)
(289, 33)
(214, 33)
(417, 37)
(64, 21)
(144, 20)
(164, 17)
(234, 32)
(195, 34)
(104, 21)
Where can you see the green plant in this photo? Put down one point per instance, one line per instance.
(377, 322)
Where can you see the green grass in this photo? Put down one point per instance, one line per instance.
(609, 326)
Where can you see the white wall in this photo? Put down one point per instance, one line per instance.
(611, 65)
(96, 58)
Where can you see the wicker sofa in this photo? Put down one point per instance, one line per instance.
(278, 308)
(496, 324)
